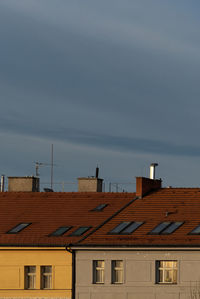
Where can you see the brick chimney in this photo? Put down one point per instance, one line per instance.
(23, 184)
(146, 185)
(90, 184)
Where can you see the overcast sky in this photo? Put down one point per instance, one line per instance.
(114, 83)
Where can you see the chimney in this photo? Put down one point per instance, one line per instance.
(153, 170)
(23, 184)
(91, 184)
(146, 185)
(2, 183)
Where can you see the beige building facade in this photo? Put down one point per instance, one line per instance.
(151, 273)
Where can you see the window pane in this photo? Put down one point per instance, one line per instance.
(159, 228)
(31, 269)
(118, 276)
(170, 229)
(18, 228)
(47, 282)
(30, 277)
(100, 207)
(119, 227)
(60, 231)
(98, 271)
(100, 275)
(161, 278)
(31, 282)
(47, 269)
(117, 271)
(80, 231)
(196, 231)
(168, 276)
(131, 228)
(46, 278)
(167, 271)
(118, 264)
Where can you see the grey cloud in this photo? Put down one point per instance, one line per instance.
(93, 139)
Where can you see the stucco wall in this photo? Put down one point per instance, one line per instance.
(139, 275)
(13, 261)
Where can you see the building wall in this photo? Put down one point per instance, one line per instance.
(12, 274)
(139, 275)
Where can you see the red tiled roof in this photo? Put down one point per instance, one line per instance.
(167, 204)
(48, 211)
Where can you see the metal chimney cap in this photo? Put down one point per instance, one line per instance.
(154, 164)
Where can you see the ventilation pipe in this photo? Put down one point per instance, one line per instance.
(153, 171)
(97, 172)
(2, 183)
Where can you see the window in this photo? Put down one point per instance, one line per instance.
(195, 231)
(117, 271)
(132, 227)
(60, 231)
(159, 228)
(30, 277)
(166, 272)
(166, 228)
(100, 207)
(80, 231)
(98, 271)
(46, 277)
(18, 228)
(126, 228)
(120, 227)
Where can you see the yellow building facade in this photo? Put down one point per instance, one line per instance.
(32, 272)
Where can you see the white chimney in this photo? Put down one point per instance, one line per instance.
(2, 183)
(153, 170)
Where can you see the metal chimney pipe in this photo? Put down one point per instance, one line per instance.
(153, 170)
(97, 172)
(2, 183)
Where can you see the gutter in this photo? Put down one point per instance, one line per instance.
(137, 248)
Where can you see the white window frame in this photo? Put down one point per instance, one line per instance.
(98, 271)
(30, 278)
(164, 269)
(115, 270)
(47, 275)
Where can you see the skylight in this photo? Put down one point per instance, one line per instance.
(132, 227)
(166, 228)
(100, 207)
(119, 228)
(80, 231)
(196, 231)
(160, 227)
(18, 228)
(60, 231)
(126, 228)
(170, 229)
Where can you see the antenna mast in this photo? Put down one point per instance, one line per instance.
(52, 166)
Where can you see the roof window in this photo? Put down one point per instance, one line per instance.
(126, 228)
(195, 231)
(166, 228)
(100, 207)
(120, 227)
(18, 228)
(60, 231)
(80, 231)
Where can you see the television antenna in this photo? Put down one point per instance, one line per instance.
(41, 164)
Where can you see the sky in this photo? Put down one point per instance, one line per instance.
(110, 83)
